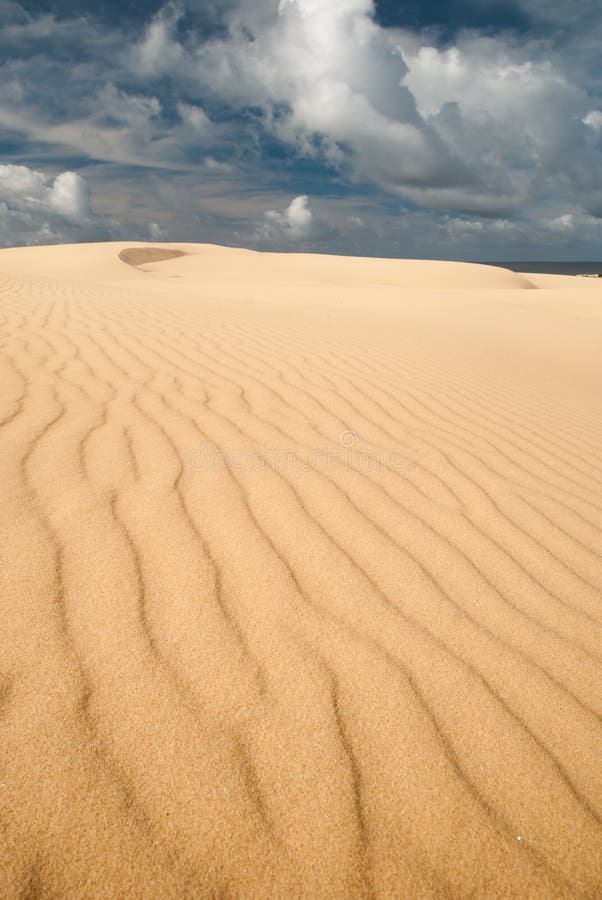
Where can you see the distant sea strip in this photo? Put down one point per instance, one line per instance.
(552, 268)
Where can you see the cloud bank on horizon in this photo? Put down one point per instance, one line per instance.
(328, 125)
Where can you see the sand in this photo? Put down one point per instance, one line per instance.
(301, 577)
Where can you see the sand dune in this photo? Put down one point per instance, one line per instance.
(301, 577)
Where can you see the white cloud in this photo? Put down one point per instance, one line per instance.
(486, 125)
(126, 109)
(563, 223)
(159, 52)
(328, 77)
(214, 166)
(292, 224)
(156, 233)
(70, 197)
(35, 209)
(300, 227)
(195, 117)
(594, 119)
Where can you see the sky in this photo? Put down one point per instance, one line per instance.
(467, 129)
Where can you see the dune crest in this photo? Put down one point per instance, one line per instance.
(301, 577)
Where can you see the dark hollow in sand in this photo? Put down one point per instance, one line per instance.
(138, 256)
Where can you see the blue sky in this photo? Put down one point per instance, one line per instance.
(470, 129)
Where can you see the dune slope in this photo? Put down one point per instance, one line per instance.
(300, 576)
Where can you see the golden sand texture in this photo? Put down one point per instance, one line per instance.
(301, 578)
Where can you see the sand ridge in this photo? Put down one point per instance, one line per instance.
(301, 575)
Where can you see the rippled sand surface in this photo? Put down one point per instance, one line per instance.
(300, 577)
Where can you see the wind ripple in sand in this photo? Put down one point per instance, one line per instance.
(301, 577)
